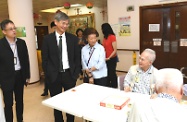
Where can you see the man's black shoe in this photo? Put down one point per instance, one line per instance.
(44, 94)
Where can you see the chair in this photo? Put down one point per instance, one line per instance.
(121, 82)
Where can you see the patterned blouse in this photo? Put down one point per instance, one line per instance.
(167, 96)
(140, 81)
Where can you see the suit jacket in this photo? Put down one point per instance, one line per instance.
(7, 70)
(50, 56)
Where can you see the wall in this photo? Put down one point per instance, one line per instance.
(116, 9)
(48, 18)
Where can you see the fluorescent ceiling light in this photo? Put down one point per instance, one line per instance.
(53, 10)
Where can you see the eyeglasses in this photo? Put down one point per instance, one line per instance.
(65, 24)
(11, 29)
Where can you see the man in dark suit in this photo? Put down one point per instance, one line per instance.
(61, 60)
(14, 70)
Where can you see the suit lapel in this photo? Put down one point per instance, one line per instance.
(68, 42)
(6, 44)
(18, 48)
(53, 42)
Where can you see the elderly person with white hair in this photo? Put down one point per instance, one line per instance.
(165, 107)
(141, 78)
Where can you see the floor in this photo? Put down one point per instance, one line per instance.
(34, 111)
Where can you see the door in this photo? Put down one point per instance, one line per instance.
(148, 37)
(163, 28)
(172, 33)
(41, 31)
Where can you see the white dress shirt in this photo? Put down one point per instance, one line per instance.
(65, 61)
(13, 46)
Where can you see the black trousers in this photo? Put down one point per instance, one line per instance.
(101, 81)
(8, 99)
(45, 86)
(112, 76)
(64, 80)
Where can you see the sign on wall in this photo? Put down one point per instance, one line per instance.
(125, 29)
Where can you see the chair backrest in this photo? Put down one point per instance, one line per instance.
(121, 82)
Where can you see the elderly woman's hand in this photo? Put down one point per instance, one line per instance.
(91, 80)
(153, 96)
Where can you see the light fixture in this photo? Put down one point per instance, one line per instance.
(89, 5)
(53, 10)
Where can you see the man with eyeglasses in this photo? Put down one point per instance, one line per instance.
(61, 60)
(141, 78)
(14, 70)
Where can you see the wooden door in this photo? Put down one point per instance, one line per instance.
(172, 22)
(41, 31)
(179, 33)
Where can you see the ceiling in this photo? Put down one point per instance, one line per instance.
(46, 4)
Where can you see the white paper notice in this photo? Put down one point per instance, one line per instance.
(154, 27)
(183, 42)
(157, 42)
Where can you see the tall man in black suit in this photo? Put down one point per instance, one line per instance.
(61, 60)
(14, 70)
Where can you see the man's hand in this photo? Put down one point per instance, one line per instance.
(27, 81)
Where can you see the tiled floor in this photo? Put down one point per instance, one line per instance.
(34, 111)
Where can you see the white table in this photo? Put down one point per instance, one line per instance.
(84, 101)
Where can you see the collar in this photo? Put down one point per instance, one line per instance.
(167, 96)
(149, 71)
(10, 42)
(96, 44)
(57, 34)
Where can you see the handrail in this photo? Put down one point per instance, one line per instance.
(128, 50)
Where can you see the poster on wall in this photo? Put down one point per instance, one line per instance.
(125, 29)
(20, 32)
(115, 28)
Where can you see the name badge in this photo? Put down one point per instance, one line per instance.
(136, 79)
(15, 60)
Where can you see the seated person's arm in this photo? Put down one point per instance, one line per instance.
(127, 82)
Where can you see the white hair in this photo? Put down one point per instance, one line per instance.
(152, 55)
(169, 78)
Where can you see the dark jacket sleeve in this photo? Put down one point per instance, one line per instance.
(77, 59)
(44, 53)
(27, 62)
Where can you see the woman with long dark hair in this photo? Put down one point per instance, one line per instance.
(110, 45)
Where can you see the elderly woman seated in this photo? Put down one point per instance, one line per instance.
(141, 77)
